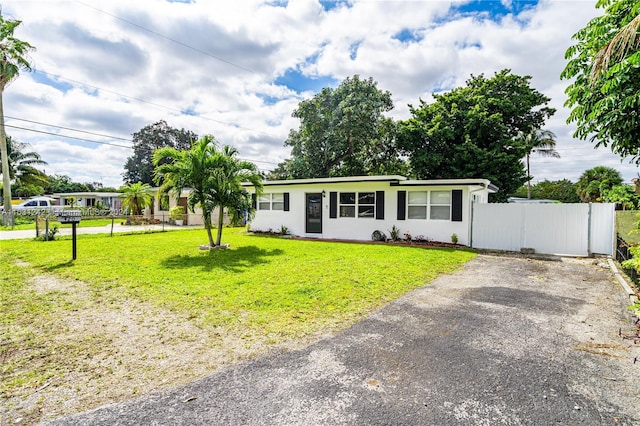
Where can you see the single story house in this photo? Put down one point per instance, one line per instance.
(108, 200)
(163, 203)
(352, 208)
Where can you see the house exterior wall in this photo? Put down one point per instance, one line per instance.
(361, 228)
(191, 218)
(110, 200)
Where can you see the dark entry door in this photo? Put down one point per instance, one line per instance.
(314, 213)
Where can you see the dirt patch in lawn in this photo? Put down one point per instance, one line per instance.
(102, 349)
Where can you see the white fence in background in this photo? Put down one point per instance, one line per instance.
(563, 229)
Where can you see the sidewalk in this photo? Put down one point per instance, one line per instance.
(117, 228)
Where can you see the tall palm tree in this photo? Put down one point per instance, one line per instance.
(214, 177)
(136, 197)
(227, 190)
(22, 164)
(538, 141)
(12, 59)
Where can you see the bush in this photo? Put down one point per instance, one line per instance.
(176, 213)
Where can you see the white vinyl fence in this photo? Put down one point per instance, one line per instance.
(563, 229)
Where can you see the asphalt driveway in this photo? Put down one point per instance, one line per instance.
(506, 340)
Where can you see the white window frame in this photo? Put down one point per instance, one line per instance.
(271, 201)
(358, 208)
(428, 206)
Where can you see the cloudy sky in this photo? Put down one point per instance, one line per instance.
(237, 69)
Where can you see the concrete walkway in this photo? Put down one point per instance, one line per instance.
(506, 340)
(117, 228)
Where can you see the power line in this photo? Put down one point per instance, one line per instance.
(96, 134)
(65, 136)
(170, 39)
(69, 128)
(181, 112)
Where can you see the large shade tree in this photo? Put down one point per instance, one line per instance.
(139, 167)
(13, 59)
(342, 132)
(604, 65)
(540, 142)
(214, 177)
(470, 131)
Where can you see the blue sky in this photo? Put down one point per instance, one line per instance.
(238, 69)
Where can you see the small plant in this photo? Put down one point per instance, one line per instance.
(394, 233)
(284, 230)
(176, 213)
(378, 236)
(407, 236)
(454, 238)
(51, 235)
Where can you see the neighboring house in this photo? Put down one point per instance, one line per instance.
(109, 200)
(164, 202)
(352, 208)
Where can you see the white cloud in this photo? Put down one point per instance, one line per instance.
(250, 43)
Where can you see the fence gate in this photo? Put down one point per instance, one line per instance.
(564, 229)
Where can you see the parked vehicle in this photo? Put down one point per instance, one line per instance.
(36, 204)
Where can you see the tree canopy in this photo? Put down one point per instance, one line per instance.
(596, 182)
(342, 132)
(471, 131)
(13, 59)
(605, 67)
(623, 195)
(563, 191)
(139, 167)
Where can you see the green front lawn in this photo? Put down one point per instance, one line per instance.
(280, 286)
(625, 222)
(139, 312)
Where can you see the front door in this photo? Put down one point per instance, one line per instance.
(314, 214)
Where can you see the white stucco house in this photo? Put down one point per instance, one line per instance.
(109, 200)
(352, 208)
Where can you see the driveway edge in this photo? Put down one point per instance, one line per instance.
(623, 282)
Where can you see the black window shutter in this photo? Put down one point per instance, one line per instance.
(333, 205)
(380, 205)
(254, 200)
(286, 201)
(456, 205)
(402, 204)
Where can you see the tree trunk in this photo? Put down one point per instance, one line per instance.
(220, 220)
(6, 178)
(207, 226)
(528, 180)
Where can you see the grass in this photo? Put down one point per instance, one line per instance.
(277, 285)
(70, 326)
(625, 222)
(84, 223)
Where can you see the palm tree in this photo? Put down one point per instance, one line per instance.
(21, 164)
(12, 60)
(213, 175)
(538, 141)
(137, 196)
(227, 190)
(624, 42)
